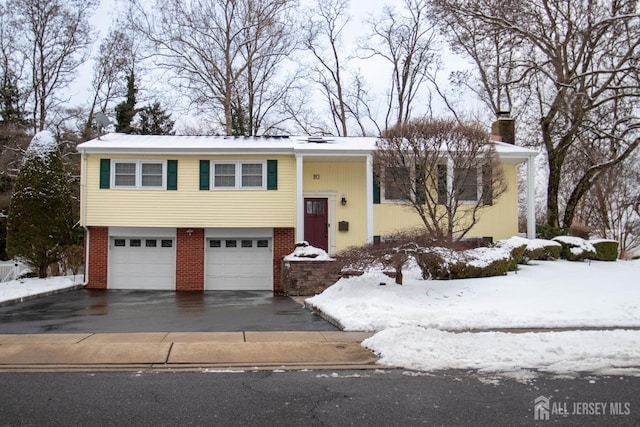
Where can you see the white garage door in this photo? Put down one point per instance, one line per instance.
(239, 264)
(142, 263)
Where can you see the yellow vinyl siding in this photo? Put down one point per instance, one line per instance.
(499, 221)
(343, 178)
(189, 206)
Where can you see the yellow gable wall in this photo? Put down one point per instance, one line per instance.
(499, 221)
(342, 178)
(189, 206)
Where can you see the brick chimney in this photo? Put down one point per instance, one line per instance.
(504, 128)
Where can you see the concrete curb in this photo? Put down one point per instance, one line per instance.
(335, 322)
(40, 295)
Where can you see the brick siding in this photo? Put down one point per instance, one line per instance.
(98, 257)
(283, 245)
(190, 259)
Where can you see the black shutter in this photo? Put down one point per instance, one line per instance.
(442, 184)
(376, 191)
(105, 173)
(272, 174)
(172, 174)
(204, 174)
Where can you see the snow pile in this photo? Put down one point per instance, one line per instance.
(24, 288)
(42, 145)
(305, 252)
(544, 294)
(540, 244)
(558, 352)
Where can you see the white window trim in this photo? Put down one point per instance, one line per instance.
(238, 177)
(138, 178)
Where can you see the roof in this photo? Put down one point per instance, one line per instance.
(119, 143)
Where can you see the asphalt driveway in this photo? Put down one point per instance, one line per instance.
(158, 311)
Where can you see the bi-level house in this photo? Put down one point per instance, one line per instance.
(219, 213)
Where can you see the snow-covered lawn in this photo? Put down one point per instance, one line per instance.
(420, 322)
(25, 288)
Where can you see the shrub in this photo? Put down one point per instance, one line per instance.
(517, 246)
(606, 250)
(545, 231)
(542, 249)
(580, 230)
(575, 248)
(445, 264)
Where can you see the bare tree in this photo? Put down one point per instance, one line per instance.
(344, 92)
(323, 39)
(407, 40)
(446, 171)
(224, 53)
(55, 36)
(113, 62)
(574, 63)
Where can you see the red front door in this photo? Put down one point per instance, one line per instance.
(316, 223)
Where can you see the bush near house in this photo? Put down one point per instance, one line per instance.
(543, 250)
(575, 248)
(606, 250)
(444, 264)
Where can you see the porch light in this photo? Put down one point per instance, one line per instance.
(189, 231)
(343, 200)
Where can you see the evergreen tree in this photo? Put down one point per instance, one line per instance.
(126, 110)
(154, 120)
(11, 112)
(40, 219)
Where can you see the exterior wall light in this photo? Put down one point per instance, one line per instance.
(343, 200)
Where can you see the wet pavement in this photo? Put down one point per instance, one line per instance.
(125, 311)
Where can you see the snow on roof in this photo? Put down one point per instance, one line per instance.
(125, 143)
(42, 145)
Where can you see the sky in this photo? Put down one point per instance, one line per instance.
(376, 71)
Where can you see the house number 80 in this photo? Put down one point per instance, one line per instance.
(316, 176)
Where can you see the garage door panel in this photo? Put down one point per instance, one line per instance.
(239, 264)
(142, 263)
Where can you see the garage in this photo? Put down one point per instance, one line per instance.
(142, 262)
(239, 263)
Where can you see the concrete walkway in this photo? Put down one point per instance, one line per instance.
(184, 351)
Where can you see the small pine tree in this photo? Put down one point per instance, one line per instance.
(154, 120)
(40, 220)
(126, 110)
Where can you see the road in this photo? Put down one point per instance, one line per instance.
(313, 398)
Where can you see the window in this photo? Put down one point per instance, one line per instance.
(465, 183)
(247, 243)
(215, 243)
(150, 243)
(135, 243)
(119, 242)
(263, 243)
(167, 243)
(396, 181)
(234, 175)
(251, 175)
(224, 175)
(138, 174)
(230, 243)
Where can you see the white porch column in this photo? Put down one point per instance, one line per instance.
(299, 198)
(531, 198)
(369, 198)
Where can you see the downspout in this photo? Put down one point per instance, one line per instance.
(83, 214)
